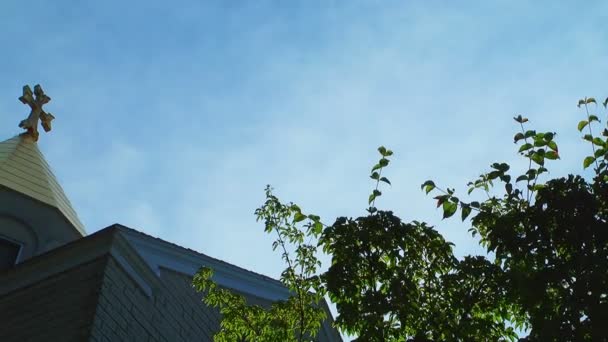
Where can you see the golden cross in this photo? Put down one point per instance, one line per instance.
(35, 101)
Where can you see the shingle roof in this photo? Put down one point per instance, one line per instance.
(194, 252)
(24, 169)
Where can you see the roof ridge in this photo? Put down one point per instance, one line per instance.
(263, 276)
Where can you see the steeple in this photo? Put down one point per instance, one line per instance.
(35, 213)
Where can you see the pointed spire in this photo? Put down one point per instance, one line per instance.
(24, 169)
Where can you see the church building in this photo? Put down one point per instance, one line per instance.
(57, 283)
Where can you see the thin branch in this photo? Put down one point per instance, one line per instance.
(591, 134)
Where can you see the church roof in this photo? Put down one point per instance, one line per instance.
(24, 169)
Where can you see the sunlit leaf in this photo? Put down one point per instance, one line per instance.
(588, 161)
(299, 217)
(525, 147)
(598, 141)
(449, 208)
(582, 124)
(552, 145)
(538, 158)
(428, 186)
(552, 155)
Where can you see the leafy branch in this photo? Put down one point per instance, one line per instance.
(376, 174)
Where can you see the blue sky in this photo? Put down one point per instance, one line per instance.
(173, 116)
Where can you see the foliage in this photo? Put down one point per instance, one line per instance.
(550, 239)
(392, 280)
(546, 270)
(299, 317)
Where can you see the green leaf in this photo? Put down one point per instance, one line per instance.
(538, 158)
(552, 155)
(317, 228)
(582, 124)
(599, 142)
(520, 178)
(552, 145)
(493, 175)
(373, 196)
(606, 102)
(518, 137)
(525, 147)
(593, 118)
(502, 167)
(375, 175)
(298, 217)
(475, 204)
(588, 161)
(588, 137)
(383, 162)
(429, 185)
(465, 212)
(376, 167)
(382, 150)
(385, 180)
(539, 141)
(590, 100)
(388, 153)
(600, 152)
(580, 103)
(520, 119)
(537, 187)
(449, 208)
(530, 133)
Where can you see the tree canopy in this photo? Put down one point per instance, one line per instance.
(546, 271)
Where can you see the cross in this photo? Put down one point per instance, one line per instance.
(35, 101)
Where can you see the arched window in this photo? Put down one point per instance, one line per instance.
(9, 252)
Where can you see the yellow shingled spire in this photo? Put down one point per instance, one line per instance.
(24, 169)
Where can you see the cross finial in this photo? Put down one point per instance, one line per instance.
(35, 101)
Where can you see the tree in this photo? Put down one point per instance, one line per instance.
(298, 317)
(393, 281)
(546, 271)
(550, 239)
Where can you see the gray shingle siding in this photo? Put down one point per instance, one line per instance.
(99, 289)
(58, 308)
